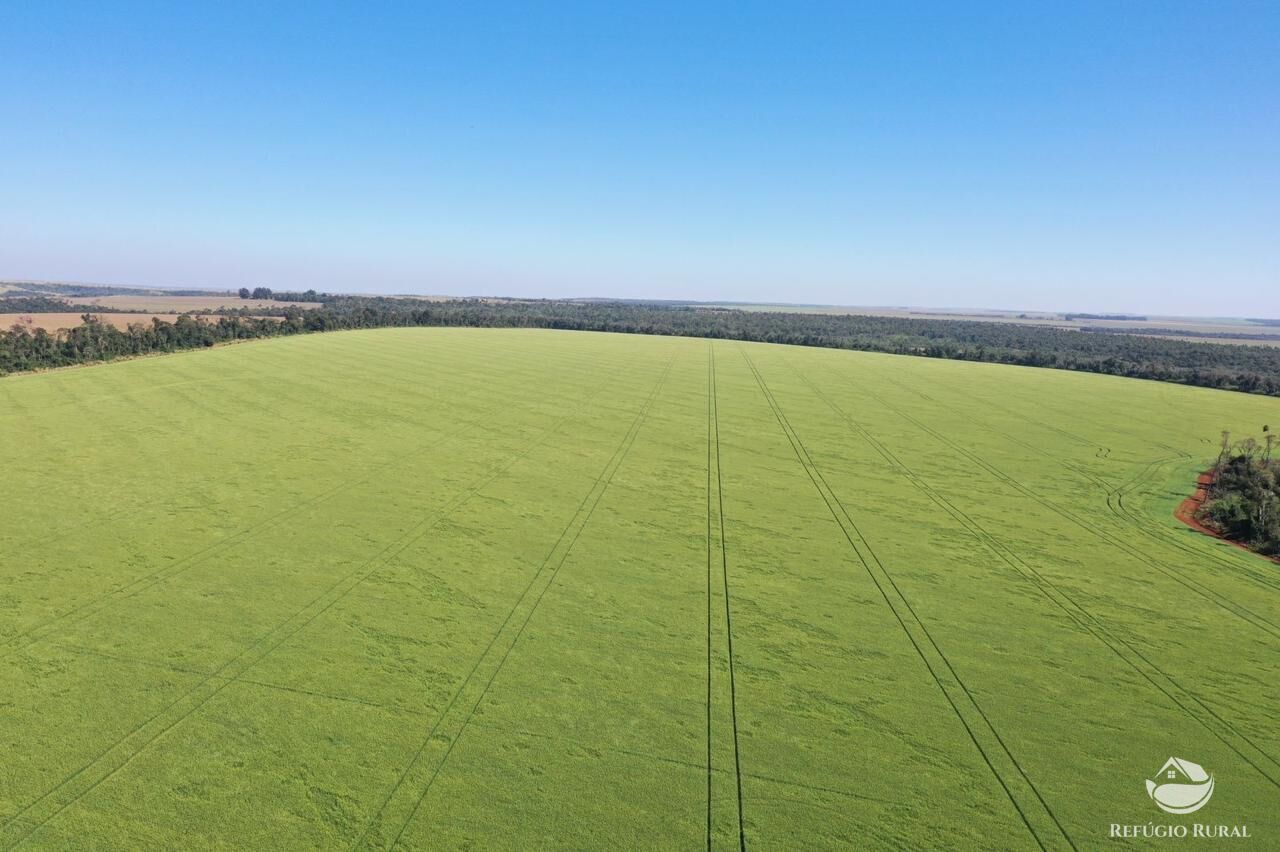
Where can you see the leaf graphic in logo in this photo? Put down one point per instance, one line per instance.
(1180, 787)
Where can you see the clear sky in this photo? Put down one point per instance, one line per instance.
(1112, 156)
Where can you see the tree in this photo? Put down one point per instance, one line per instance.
(262, 293)
(244, 293)
(1244, 497)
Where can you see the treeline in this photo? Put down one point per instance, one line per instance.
(1186, 332)
(1112, 317)
(34, 305)
(284, 296)
(23, 349)
(1243, 500)
(1252, 369)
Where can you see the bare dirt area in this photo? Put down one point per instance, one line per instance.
(181, 304)
(1186, 512)
(55, 321)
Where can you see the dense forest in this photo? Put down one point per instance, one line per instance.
(1262, 336)
(34, 305)
(1252, 369)
(1243, 500)
(285, 296)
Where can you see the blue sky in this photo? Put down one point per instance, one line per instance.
(1120, 156)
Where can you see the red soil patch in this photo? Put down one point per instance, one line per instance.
(1186, 512)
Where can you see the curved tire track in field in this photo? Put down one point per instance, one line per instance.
(1159, 533)
(1139, 662)
(303, 617)
(1172, 537)
(990, 754)
(1248, 616)
(556, 558)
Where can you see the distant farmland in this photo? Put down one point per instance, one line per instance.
(55, 321)
(181, 304)
(513, 588)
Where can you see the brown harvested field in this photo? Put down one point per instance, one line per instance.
(55, 321)
(181, 304)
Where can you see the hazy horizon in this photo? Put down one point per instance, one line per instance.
(1094, 159)
(977, 309)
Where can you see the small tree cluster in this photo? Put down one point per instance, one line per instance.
(1244, 496)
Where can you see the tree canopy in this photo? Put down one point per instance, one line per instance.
(1243, 501)
(1251, 369)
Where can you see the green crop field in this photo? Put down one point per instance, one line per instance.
(433, 588)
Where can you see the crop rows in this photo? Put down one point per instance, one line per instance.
(421, 588)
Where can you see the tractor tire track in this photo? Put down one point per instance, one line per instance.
(1166, 684)
(1162, 534)
(717, 508)
(1170, 537)
(1248, 616)
(1114, 497)
(710, 403)
(1034, 812)
(15, 643)
(204, 691)
(258, 378)
(554, 559)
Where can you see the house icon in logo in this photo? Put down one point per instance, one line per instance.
(1180, 787)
